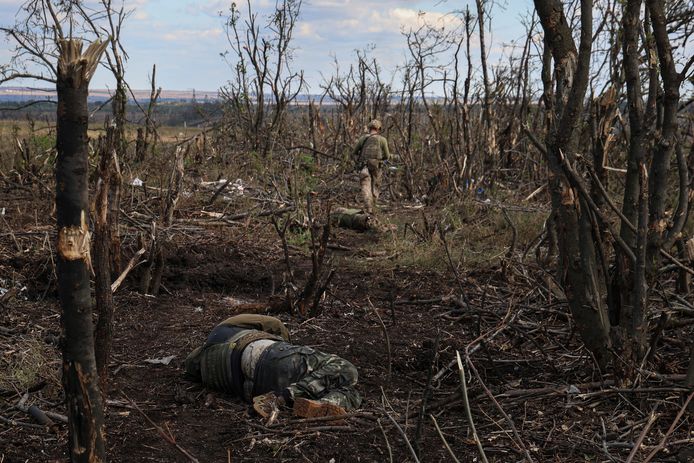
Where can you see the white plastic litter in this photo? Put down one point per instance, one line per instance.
(161, 361)
(238, 187)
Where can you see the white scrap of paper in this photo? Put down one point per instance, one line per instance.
(161, 361)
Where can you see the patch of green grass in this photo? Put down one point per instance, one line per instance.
(300, 238)
(43, 142)
(29, 362)
(477, 236)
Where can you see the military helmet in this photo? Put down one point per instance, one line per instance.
(374, 124)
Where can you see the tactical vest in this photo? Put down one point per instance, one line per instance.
(220, 366)
(371, 149)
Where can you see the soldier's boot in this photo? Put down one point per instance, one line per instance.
(307, 408)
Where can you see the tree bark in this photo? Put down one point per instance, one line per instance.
(665, 145)
(489, 125)
(105, 233)
(629, 279)
(578, 260)
(80, 379)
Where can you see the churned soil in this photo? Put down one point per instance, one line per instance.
(399, 325)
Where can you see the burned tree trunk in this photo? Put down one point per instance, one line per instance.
(80, 379)
(105, 235)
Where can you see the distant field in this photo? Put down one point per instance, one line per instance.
(22, 129)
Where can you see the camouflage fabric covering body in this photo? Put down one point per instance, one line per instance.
(305, 372)
(355, 219)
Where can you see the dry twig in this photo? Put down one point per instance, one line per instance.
(165, 434)
(468, 412)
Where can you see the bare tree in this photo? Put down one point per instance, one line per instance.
(80, 377)
(104, 19)
(488, 118)
(578, 257)
(46, 53)
(611, 312)
(263, 85)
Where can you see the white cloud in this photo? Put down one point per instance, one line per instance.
(140, 15)
(308, 30)
(209, 7)
(191, 34)
(397, 19)
(355, 21)
(329, 3)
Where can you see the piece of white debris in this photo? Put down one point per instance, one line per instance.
(161, 361)
(137, 182)
(197, 309)
(238, 187)
(573, 390)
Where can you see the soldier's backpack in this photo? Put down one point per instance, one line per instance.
(371, 149)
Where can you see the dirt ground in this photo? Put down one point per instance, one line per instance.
(534, 392)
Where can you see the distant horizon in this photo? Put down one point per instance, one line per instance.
(24, 93)
(22, 89)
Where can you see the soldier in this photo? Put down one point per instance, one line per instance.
(370, 152)
(250, 357)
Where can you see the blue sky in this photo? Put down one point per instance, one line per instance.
(184, 38)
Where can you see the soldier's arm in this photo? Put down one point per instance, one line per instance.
(384, 149)
(259, 322)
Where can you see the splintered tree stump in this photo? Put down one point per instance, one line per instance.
(80, 379)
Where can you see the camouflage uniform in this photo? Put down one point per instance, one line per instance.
(283, 368)
(370, 152)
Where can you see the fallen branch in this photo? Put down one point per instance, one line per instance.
(427, 392)
(13, 422)
(498, 406)
(477, 343)
(404, 436)
(651, 419)
(385, 437)
(385, 335)
(166, 435)
(271, 212)
(131, 264)
(468, 412)
(445, 442)
(661, 445)
(397, 426)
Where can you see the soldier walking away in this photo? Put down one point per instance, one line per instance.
(370, 152)
(250, 357)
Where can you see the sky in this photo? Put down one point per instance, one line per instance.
(185, 38)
